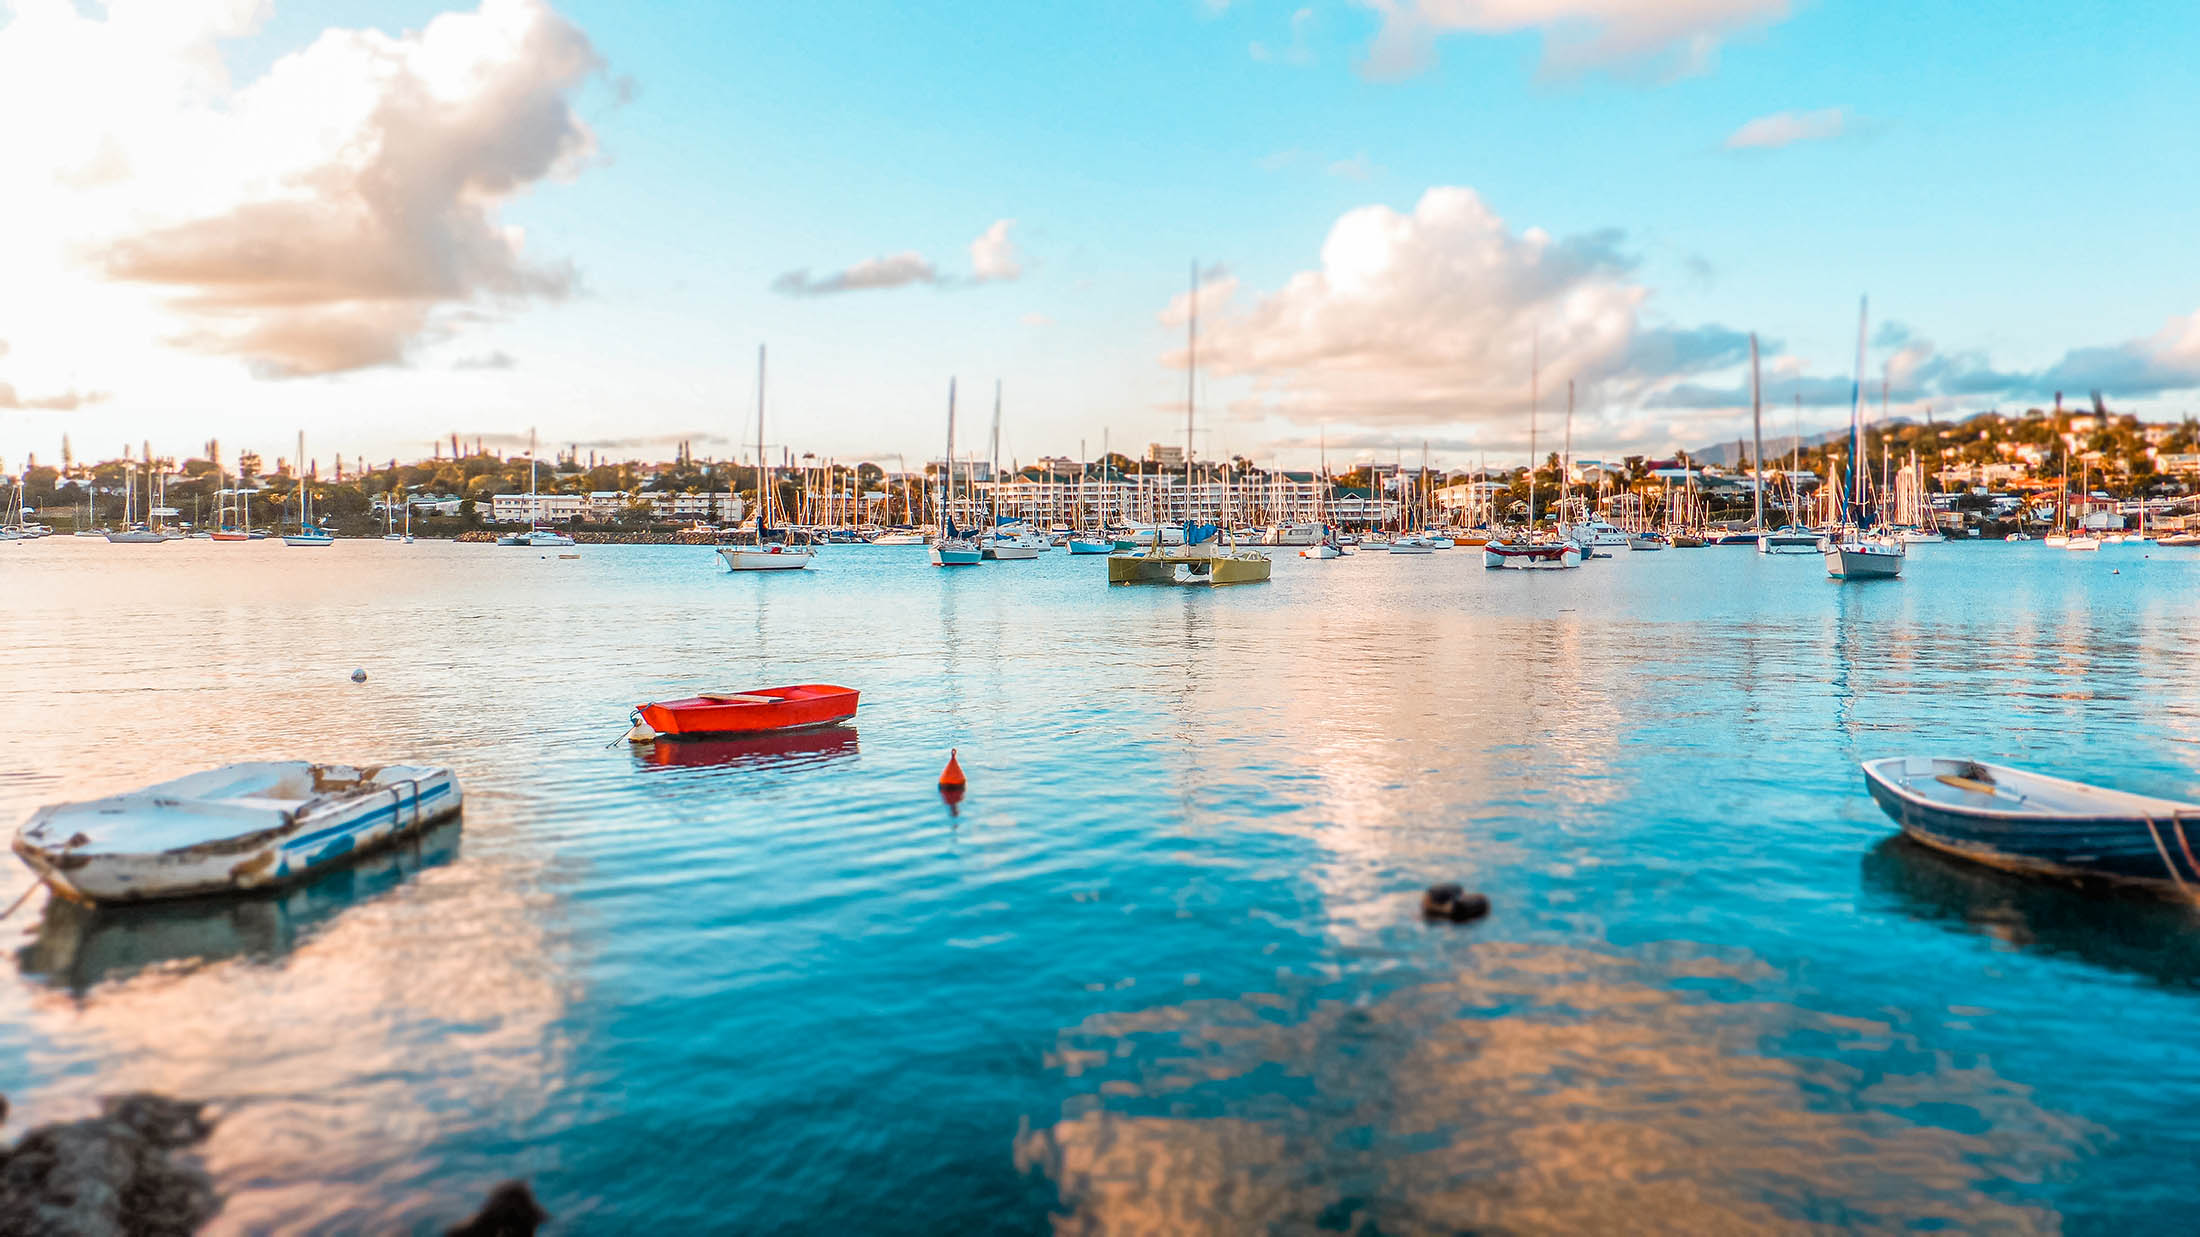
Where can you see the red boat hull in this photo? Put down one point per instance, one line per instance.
(764, 711)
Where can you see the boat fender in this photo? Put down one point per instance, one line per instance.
(358, 676)
(1450, 902)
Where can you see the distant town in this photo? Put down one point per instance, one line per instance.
(1988, 467)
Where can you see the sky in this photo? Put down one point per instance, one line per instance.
(380, 224)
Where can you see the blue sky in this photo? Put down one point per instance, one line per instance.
(2007, 186)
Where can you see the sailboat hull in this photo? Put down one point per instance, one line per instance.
(1552, 557)
(766, 558)
(1863, 560)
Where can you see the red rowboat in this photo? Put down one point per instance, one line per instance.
(762, 711)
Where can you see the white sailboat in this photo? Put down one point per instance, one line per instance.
(1523, 551)
(764, 554)
(309, 533)
(1851, 554)
(132, 532)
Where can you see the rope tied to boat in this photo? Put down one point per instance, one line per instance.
(2163, 851)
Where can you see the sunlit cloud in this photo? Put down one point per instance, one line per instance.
(994, 258)
(1787, 128)
(316, 218)
(1675, 38)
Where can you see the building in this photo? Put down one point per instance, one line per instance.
(720, 507)
(1164, 456)
(536, 508)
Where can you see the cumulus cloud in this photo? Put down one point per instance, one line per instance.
(1295, 52)
(1438, 317)
(499, 359)
(894, 271)
(318, 217)
(993, 256)
(1672, 38)
(1787, 128)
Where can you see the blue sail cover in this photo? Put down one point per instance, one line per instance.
(1196, 533)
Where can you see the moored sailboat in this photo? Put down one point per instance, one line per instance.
(765, 554)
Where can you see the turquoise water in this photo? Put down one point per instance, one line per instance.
(1162, 969)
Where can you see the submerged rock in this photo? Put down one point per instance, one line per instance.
(116, 1173)
(510, 1212)
(1450, 902)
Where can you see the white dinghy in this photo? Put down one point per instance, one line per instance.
(230, 830)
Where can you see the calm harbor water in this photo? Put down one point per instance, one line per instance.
(1163, 971)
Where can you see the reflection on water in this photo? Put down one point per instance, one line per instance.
(816, 746)
(77, 947)
(1165, 969)
(2119, 930)
(1541, 1090)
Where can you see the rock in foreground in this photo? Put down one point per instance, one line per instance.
(117, 1173)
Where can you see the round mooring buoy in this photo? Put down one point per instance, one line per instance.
(1449, 902)
(358, 676)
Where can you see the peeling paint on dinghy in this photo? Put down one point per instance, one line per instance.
(238, 828)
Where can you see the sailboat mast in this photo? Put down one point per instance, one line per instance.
(1535, 377)
(1757, 425)
(763, 489)
(1856, 416)
(948, 498)
(1566, 460)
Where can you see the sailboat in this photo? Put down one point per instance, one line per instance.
(132, 532)
(1523, 551)
(1327, 547)
(1208, 555)
(308, 533)
(764, 554)
(1004, 542)
(539, 532)
(235, 516)
(2078, 538)
(1850, 553)
(951, 546)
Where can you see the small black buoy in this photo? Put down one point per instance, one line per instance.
(1449, 901)
(358, 676)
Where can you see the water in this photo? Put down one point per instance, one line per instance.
(1164, 970)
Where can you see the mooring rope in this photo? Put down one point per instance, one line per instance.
(2163, 851)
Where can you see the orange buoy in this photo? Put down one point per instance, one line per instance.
(951, 777)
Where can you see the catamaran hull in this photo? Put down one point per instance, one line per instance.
(1242, 567)
(1011, 553)
(1788, 543)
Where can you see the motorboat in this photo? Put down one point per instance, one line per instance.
(1788, 540)
(1531, 555)
(1411, 543)
(766, 710)
(1851, 555)
(1292, 535)
(238, 828)
(2021, 535)
(1643, 542)
(900, 536)
(2080, 541)
(2179, 539)
(2030, 822)
(1326, 550)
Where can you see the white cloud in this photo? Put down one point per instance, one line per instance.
(1668, 38)
(993, 259)
(993, 256)
(894, 271)
(1295, 52)
(318, 217)
(1433, 318)
(1358, 167)
(1787, 128)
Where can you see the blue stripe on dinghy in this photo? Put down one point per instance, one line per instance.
(360, 822)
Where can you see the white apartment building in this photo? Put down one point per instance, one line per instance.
(530, 508)
(720, 507)
(1155, 498)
